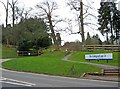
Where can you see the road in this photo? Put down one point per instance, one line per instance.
(40, 80)
(22, 79)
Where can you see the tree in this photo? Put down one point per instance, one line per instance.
(96, 40)
(106, 19)
(88, 40)
(78, 6)
(32, 28)
(36, 44)
(58, 39)
(116, 26)
(7, 36)
(24, 45)
(47, 9)
(6, 9)
(35, 33)
(13, 7)
(32, 31)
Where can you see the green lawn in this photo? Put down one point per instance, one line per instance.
(80, 56)
(8, 52)
(49, 63)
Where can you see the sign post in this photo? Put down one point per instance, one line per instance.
(105, 56)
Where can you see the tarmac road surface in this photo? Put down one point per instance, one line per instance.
(40, 80)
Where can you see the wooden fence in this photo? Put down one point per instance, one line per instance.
(28, 53)
(103, 47)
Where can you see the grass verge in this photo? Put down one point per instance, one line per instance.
(51, 64)
(80, 56)
(8, 52)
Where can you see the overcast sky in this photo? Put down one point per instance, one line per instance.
(64, 12)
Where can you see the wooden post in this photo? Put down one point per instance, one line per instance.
(97, 60)
(107, 61)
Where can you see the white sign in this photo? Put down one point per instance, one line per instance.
(106, 56)
(108, 0)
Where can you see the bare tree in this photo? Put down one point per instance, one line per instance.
(19, 12)
(82, 13)
(6, 9)
(47, 9)
(13, 10)
(22, 14)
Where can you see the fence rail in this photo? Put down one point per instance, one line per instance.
(103, 47)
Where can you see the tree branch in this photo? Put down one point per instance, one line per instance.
(4, 5)
(38, 6)
(88, 23)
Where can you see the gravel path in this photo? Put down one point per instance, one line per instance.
(98, 65)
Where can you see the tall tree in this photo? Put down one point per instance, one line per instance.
(82, 12)
(116, 26)
(6, 9)
(47, 9)
(106, 19)
(13, 7)
(77, 5)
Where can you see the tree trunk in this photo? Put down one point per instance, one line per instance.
(53, 33)
(111, 27)
(7, 14)
(107, 38)
(7, 42)
(13, 16)
(82, 24)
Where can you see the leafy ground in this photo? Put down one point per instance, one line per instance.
(49, 63)
(80, 56)
(8, 52)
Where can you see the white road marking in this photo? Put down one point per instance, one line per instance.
(17, 82)
(20, 81)
(1, 78)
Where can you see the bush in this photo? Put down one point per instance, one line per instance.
(35, 44)
(24, 45)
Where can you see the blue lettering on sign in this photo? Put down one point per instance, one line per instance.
(106, 56)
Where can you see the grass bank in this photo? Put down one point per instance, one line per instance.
(80, 56)
(8, 52)
(49, 63)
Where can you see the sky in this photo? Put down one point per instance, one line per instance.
(64, 12)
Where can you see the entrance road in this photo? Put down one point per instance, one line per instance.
(40, 80)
